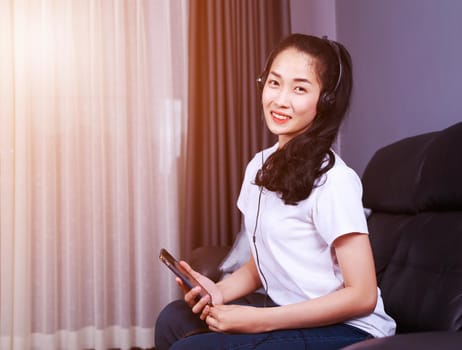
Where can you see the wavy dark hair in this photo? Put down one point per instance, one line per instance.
(293, 170)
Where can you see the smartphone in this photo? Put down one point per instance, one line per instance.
(188, 280)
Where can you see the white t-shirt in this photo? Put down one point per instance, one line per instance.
(294, 242)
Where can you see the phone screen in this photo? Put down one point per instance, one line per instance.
(188, 280)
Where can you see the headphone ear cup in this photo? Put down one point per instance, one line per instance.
(327, 100)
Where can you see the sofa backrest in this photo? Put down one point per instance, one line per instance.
(414, 189)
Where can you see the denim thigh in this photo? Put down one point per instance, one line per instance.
(176, 321)
(321, 338)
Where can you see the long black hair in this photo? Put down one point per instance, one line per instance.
(292, 170)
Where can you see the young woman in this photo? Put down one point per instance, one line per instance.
(305, 222)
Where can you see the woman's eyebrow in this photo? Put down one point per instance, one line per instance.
(302, 80)
(298, 80)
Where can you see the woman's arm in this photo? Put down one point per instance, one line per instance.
(241, 282)
(357, 298)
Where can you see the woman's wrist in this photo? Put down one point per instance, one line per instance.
(222, 290)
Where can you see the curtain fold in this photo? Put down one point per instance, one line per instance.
(92, 119)
(228, 44)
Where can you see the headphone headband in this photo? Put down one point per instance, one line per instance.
(336, 49)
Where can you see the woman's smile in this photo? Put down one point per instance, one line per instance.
(280, 118)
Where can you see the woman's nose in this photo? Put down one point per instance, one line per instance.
(282, 98)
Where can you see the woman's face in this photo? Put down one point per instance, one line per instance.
(290, 94)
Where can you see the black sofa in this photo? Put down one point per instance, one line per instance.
(413, 189)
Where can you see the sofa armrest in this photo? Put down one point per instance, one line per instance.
(206, 260)
(422, 340)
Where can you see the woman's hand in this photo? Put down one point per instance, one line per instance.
(237, 319)
(193, 297)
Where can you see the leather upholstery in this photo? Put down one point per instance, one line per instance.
(206, 260)
(417, 174)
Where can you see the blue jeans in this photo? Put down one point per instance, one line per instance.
(177, 328)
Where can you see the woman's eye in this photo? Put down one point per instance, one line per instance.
(300, 89)
(272, 82)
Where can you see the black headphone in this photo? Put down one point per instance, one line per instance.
(327, 98)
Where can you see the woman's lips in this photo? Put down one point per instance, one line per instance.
(279, 117)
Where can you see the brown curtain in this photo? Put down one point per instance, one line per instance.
(229, 41)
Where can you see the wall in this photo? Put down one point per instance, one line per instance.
(316, 17)
(407, 57)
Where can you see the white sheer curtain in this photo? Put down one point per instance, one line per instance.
(91, 124)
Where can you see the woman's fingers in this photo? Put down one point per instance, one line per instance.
(200, 303)
(192, 297)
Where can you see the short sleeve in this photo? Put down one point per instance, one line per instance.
(245, 189)
(338, 208)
